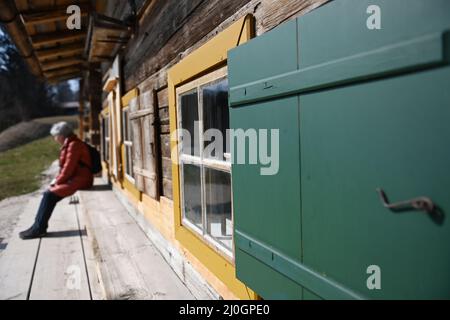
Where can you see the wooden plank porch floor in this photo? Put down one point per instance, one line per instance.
(130, 265)
(58, 266)
(92, 251)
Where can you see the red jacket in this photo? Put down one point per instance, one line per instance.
(74, 163)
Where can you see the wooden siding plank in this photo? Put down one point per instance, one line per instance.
(35, 17)
(60, 270)
(65, 62)
(193, 22)
(163, 22)
(130, 265)
(136, 138)
(61, 51)
(56, 37)
(95, 281)
(17, 261)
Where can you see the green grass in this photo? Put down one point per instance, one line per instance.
(20, 168)
(73, 120)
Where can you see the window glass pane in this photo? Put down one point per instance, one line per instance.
(129, 161)
(218, 206)
(189, 118)
(216, 116)
(124, 125)
(103, 139)
(106, 127)
(192, 196)
(127, 126)
(106, 135)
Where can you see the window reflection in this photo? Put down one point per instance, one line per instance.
(216, 114)
(192, 194)
(189, 117)
(204, 162)
(218, 206)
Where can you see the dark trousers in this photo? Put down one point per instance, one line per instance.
(48, 203)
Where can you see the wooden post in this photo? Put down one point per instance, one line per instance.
(81, 109)
(95, 99)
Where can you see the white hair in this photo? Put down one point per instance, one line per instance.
(61, 129)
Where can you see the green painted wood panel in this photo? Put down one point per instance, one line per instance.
(391, 134)
(265, 56)
(256, 214)
(308, 295)
(431, 50)
(357, 109)
(387, 133)
(338, 29)
(265, 280)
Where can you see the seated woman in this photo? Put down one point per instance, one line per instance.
(75, 174)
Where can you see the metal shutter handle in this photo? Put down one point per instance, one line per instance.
(419, 203)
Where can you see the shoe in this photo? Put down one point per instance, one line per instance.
(31, 233)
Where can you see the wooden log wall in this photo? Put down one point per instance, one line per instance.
(172, 27)
(170, 30)
(95, 99)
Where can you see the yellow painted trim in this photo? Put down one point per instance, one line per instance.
(214, 262)
(126, 183)
(212, 53)
(209, 56)
(133, 93)
(105, 168)
(110, 84)
(105, 115)
(130, 187)
(105, 112)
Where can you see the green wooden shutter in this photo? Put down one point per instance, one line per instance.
(357, 110)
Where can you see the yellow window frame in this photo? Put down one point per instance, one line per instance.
(104, 114)
(212, 55)
(126, 183)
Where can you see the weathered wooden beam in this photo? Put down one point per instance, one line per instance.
(85, 5)
(95, 100)
(40, 16)
(64, 78)
(160, 40)
(14, 26)
(110, 84)
(56, 37)
(60, 51)
(145, 9)
(62, 71)
(101, 58)
(61, 63)
(101, 6)
(81, 108)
